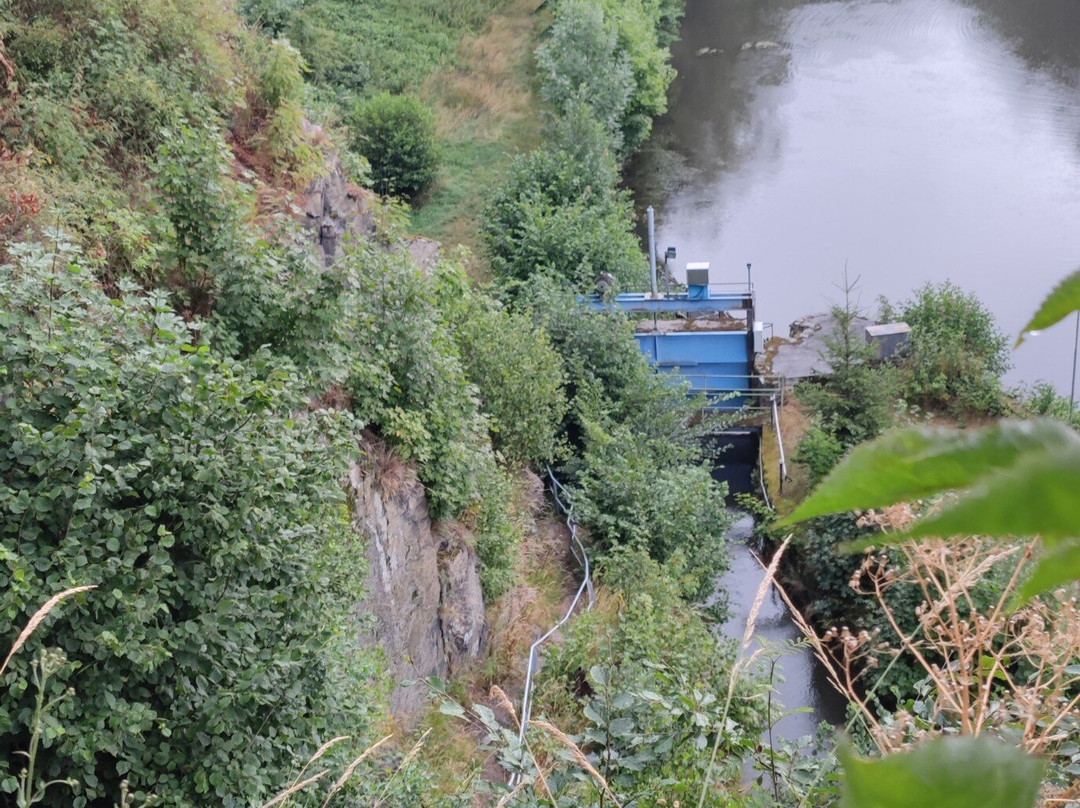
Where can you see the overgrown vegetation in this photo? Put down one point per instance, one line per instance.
(186, 488)
(396, 133)
(957, 354)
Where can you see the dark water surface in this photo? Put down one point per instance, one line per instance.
(913, 140)
(803, 681)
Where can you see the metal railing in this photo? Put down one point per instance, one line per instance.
(585, 588)
(779, 441)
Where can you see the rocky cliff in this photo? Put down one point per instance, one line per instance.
(424, 585)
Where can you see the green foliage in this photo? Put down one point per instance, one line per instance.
(259, 292)
(652, 681)
(638, 477)
(582, 64)
(957, 355)
(552, 217)
(113, 75)
(1043, 400)
(407, 380)
(519, 377)
(946, 772)
(628, 494)
(819, 451)
(1059, 304)
(611, 55)
(379, 45)
(219, 648)
(855, 401)
(396, 133)
(1021, 478)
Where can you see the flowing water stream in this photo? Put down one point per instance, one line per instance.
(801, 680)
(910, 140)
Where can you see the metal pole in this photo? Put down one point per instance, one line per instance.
(749, 283)
(650, 215)
(1076, 345)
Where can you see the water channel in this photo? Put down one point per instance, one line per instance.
(910, 140)
(801, 680)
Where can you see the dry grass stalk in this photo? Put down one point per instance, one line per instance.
(763, 590)
(510, 795)
(37, 619)
(578, 756)
(502, 700)
(284, 795)
(322, 750)
(990, 668)
(341, 781)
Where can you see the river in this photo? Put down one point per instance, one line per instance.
(908, 140)
(801, 680)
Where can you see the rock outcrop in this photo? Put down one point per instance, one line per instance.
(335, 209)
(424, 586)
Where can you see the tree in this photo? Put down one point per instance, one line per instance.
(957, 355)
(551, 217)
(396, 133)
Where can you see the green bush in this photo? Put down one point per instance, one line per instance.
(519, 377)
(957, 354)
(396, 133)
(581, 63)
(653, 681)
(1043, 399)
(407, 381)
(819, 451)
(611, 55)
(553, 217)
(211, 660)
(627, 495)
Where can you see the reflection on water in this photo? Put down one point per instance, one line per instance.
(910, 140)
(803, 678)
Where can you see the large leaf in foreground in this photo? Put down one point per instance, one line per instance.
(1059, 304)
(957, 772)
(1018, 478)
(910, 464)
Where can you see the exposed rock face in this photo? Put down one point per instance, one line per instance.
(424, 589)
(334, 209)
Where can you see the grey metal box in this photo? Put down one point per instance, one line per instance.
(890, 339)
(697, 276)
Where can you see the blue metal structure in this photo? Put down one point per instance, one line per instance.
(719, 363)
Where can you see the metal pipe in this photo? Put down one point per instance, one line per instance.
(780, 443)
(651, 217)
(1076, 346)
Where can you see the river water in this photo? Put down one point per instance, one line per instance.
(908, 140)
(801, 679)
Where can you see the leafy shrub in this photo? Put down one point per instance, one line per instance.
(211, 659)
(627, 495)
(643, 34)
(819, 451)
(652, 680)
(957, 355)
(582, 63)
(611, 55)
(519, 377)
(407, 380)
(396, 133)
(552, 217)
(1043, 399)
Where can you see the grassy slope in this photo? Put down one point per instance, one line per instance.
(487, 112)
